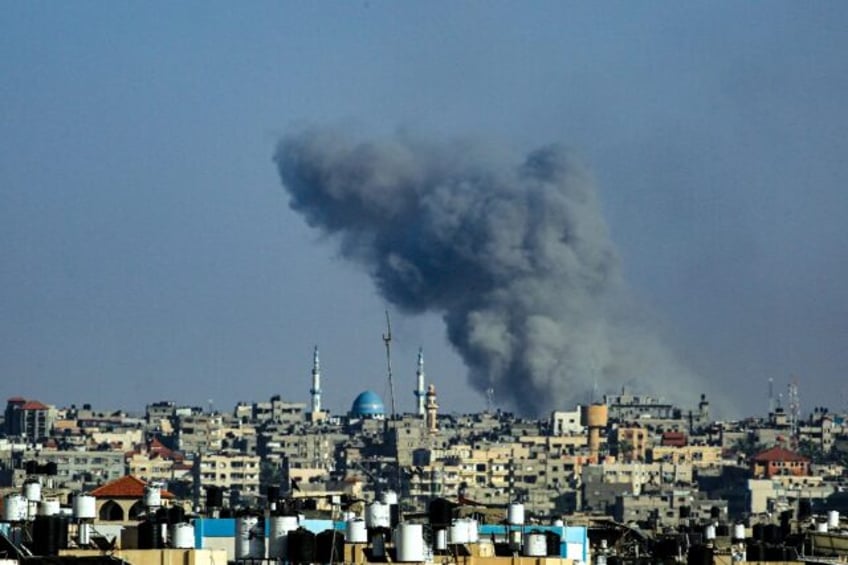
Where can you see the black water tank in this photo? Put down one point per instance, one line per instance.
(31, 467)
(772, 534)
(758, 532)
(49, 535)
(149, 535)
(754, 551)
(722, 530)
(667, 548)
(176, 514)
(273, 493)
(441, 512)
(553, 541)
(329, 547)
(805, 508)
(300, 547)
(700, 555)
(776, 553)
(715, 512)
(214, 497)
(684, 511)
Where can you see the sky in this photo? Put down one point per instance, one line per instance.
(148, 250)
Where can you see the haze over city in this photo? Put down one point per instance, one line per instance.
(148, 249)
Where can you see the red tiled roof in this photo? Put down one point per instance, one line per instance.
(125, 487)
(34, 405)
(778, 453)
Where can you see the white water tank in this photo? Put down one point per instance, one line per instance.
(410, 542)
(15, 508)
(377, 515)
(389, 497)
(821, 527)
(558, 523)
(85, 507)
(278, 534)
(710, 532)
(49, 508)
(459, 531)
(152, 496)
(355, 531)
(441, 540)
(515, 514)
(473, 530)
(32, 491)
(833, 519)
(182, 536)
(250, 538)
(535, 545)
(739, 532)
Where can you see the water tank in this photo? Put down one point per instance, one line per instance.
(700, 555)
(473, 530)
(805, 508)
(329, 547)
(301, 546)
(49, 535)
(149, 535)
(377, 515)
(175, 514)
(535, 544)
(459, 531)
(738, 532)
(441, 543)
(558, 523)
(410, 542)
(214, 497)
(32, 491)
(833, 519)
(181, 535)
(278, 532)
(49, 508)
(441, 512)
(710, 532)
(152, 496)
(250, 538)
(515, 514)
(595, 416)
(14, 508)
(85, 507)
(554, 543)
(273, 493)
(821, 527)
(389, 497)
(355, 531)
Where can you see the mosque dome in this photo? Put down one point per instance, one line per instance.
(368, 405)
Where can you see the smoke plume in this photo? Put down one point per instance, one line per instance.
(513, 253)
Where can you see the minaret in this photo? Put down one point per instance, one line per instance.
(432, 410)
(420, 393)
(315, 391)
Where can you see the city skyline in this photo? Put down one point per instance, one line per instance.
(148, 251)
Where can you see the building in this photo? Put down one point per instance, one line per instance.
(28, 419)
(779, 461)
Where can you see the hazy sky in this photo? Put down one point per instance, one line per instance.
(147, 250)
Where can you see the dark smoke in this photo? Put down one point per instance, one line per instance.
(514, 254)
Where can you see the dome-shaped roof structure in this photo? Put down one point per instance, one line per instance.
(368, 405)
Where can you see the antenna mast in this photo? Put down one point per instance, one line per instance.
(387, 339)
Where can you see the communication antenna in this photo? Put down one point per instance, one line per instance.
(490, 399)
(387, 339)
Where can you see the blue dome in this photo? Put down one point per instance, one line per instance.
(368, 405)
